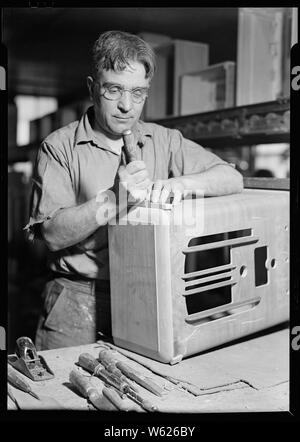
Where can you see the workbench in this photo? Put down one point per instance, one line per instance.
(248, 375)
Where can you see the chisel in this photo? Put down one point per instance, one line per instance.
(129, 154)
(107, 358)
(91, 364)
(191, 388)
(85, 387)
(129, 147)
(16, 381)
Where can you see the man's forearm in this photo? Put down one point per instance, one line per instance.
(217, 181)
(72, 225)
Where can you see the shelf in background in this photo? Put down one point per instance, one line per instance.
(237, 126)
(260, 123)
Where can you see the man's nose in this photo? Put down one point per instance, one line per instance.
(125, 102)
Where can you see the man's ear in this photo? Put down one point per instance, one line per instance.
(90, 85)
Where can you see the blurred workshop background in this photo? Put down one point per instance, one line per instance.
(223, 79)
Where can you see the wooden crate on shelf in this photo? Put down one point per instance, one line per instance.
(261, 57)
(189, 56)
(202, 274)
(174, 59)
(210, 89)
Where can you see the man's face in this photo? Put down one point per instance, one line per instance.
(115, 116)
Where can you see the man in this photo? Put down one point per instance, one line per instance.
(77, 168)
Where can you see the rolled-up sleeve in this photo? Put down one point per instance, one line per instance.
(187, 157)
(52, 188)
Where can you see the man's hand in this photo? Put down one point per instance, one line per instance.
(163, 189)
(134, 177)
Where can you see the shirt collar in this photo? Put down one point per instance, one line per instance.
(85, 134)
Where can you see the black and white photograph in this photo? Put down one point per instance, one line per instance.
(148, 214)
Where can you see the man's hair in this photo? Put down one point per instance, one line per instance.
(114, 50)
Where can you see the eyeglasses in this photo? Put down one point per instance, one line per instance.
(115, 92)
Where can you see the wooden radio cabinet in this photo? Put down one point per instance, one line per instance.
(180, 287)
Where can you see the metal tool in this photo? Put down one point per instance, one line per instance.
(111, 367)
(91, 364)
(112, 389)
(27, 361)
(85, 387)
(16, 381)
(111, 362)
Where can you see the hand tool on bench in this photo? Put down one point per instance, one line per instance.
(45, 402)
(28, 362)
(116, 372)
(85, 387)
(112, 363)
(15, 380)
(91, 364)
(110, 390)
(180, 383)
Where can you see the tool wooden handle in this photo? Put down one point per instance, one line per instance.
(88, 362)
(115, 398)
(127, 371)
(16, 381)
(82, 383)
(144, 381)
(109, 363)
(107, 358)
(129, 146)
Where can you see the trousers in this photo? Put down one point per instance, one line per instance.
(75, 312)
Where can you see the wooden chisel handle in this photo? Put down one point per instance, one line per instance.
(129, 154)
(144, 381)
(84, 386)
(110, 364)
(129, 146)
(15, 380)
(81, 382)
(88, 362)
(113, 396)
